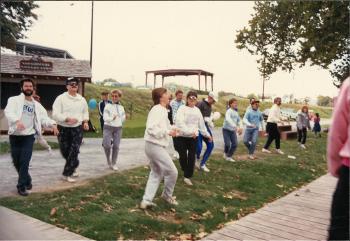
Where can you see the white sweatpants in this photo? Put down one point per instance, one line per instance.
(161, 166)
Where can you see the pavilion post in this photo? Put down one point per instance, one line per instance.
(154, 81)
(146, 79)
(206, 89)
(199, 81)
(162, 80)
(212, 85)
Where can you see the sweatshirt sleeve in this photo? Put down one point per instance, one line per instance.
(337, 136)
(274, 116)
(123, 117)
(180, 122)
(45, 120)
(154, 126)
(57, 110)
(202, 128)
(85, 110)
(10, 111)
(245, 119)
(107, 116)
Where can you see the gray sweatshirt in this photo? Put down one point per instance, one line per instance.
(303, 120)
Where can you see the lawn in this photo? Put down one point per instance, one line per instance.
(107, 208)
(5, 147)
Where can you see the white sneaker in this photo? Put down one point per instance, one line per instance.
(171, 200)
(279, 151)
(75, 174)
(147, 204)
(50, 151)
(251, 157)
(188, 181)
(265, 151)
(69, 179)
(115, 168)
(303, 146)
(224, 156)
(205, 168)
(197, 164)
(229, 159)
(250, 143)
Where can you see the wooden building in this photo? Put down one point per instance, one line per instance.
(49, 74)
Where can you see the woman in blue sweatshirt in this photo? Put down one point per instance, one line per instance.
(253, 119)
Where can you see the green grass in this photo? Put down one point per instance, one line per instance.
(107, 208)
(5, 147)
(141, 102)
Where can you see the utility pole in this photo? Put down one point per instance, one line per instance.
(263, 91)
(92, 31)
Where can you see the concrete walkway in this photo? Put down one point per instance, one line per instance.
(17, 226)
(301, 215)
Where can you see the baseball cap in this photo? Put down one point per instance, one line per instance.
(255, 101)
(212, 95)
(72, 79)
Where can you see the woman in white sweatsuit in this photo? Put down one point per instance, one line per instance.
(157, 134)
(114, 117)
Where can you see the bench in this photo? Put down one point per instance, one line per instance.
(285, 128)
(286, 135)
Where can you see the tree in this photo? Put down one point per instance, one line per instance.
(324, 100)
(289, 34)
(16, 18)
(252, 96)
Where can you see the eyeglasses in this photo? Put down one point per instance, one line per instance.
(192, 97)
(116, 95)
(73, 84)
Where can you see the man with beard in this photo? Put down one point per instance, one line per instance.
(25, 118)
(70, 110)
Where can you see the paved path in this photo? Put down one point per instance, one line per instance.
(301, 215)
(17, 226)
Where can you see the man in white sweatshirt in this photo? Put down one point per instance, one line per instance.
(272, 127)
(70, 110)
(25, 118)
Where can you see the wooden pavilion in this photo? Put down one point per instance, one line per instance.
(181, 72)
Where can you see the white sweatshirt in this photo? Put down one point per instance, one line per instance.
(189, 120)
(66, 106)
(158, 126)
(112, 110)
(274, 114)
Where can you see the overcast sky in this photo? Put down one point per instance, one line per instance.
(132, 37)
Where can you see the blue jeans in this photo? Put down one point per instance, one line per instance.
(21, 152)
(210, 146)
(250, 138)
(230, 140)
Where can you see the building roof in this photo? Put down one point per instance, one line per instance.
(173, 72)
(34, 49)
(10, 64)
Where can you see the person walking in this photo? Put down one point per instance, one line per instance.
(189, 122)
(25, 118)
(175, 105)
(231, 126)
(303, 123)
(114, 117)
(338, 155)
(101, 106)
(156, 137)
(205, 107)
(272, 127)
(253, 120)
(70, 110)
(317, 126)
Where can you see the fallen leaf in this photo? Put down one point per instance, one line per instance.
(201, 235)
(53, 211)
(279, 185)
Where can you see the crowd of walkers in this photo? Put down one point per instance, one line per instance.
(187, 121)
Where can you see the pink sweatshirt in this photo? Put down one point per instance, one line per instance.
(338, 151)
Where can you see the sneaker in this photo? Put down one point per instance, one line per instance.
(198, 164)
(22, 192)
(303, 146)
(69, 179)
(50, 151)
(29, 187)
(265, 151)
(188, 181)
(176, 155)
(224, 156)
(229, 159)
(251, 157)
(250, 143)
(170, 200)
(115, 168)
(147, 204)
(279, 151)
(205, 168)
(75, 174)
